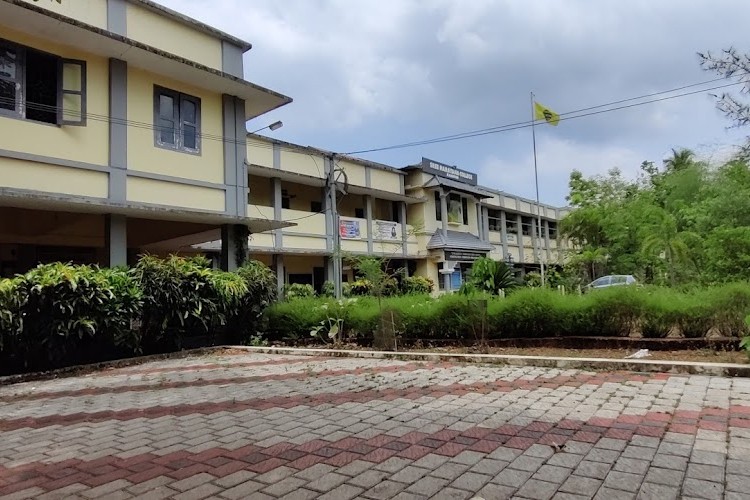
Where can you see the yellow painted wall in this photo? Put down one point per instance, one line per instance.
(495, 237)
(303, 163)
(355, 173)
(260, 211)
(357, 246)
(88, 144)
(259, 152)
(20, 174)
(302, 195)
(509, 202)
(311, 224)
(262, 257)
(177, 195)
(93, 12)
(144, 156)
(172, 36)
(304, 242)
(260, 191)
(386, 181)
(261, 240)
(349, 203)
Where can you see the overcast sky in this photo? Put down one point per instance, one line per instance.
(367, 73)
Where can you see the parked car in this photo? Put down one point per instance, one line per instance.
(608, 281)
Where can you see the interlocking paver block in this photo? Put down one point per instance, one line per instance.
(537, 490)
(699, 488)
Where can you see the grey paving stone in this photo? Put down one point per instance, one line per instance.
(540, 451)
(496, 492)
(428, 486)
(632, 465)
(738, 483)
(651, 491)
(275, 475)
(301, 494)
(552, 474)
(368, 478)
(681, 450)
(393, 464)
(384, 490)
(342, 492)
(512, 477)
(623, 481)
(569, 496)
(569, 460)
(706, 472)
(243, 490)
(470, 481)
(355, 468)
(611, 444)
(452, 494)
(409, 474)
(505, 454)
(738, 467)
(670, 462)
(647, 441)
(702, 489)
(286, 485)
(315, 472)
(708, 457)
(585, 486)
(537, 490)
(431, 461)
(526, 463)
(327, 482)
(611, 494)
(602, 455)
(197, 493)
(596, 470)
(489, 466)
(667, 477)
(449, 471)
(405, 495)
(641, 452)
(468, 457)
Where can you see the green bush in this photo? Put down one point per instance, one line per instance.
(360, 287)
(294, 291)
(261, 285)
(417, 285)
(54, 310)
(328, 289)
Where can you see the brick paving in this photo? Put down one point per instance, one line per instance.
(270, 426)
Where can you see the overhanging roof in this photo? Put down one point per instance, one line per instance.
(21, 198)
(64, 30)
(437, 181)
(458, 241)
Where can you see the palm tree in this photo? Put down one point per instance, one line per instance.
(680, 160)
(664, 240)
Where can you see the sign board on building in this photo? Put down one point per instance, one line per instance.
(349, 229)
(464, 255)
(449, 172)
(386, 230)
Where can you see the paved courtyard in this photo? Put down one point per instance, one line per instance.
(263, 426)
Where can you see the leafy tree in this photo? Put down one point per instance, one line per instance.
(491, 276)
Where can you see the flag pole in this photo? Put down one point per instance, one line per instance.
(538, 234)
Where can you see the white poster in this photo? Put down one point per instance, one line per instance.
(386, 230)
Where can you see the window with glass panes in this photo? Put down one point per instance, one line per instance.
(177, 118)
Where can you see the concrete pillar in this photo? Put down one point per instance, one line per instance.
(368, 216)
(548, 251)
(504, 233)
(404, 229)
(444, 212)
(519, 237)
(116, 240)
(229, 246)
(480, 224)
(278, 268)
(447, 282)
(278, 238)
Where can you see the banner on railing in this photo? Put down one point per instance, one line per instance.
(349, 229)
(386, 230)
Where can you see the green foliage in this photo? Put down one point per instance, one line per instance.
(55, 309)
(686, 222)
(295, 291)
(328, 289)
(491, 276)
(529, 312)
(417, 285)
(260, 283)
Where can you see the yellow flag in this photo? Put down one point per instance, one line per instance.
(546, 114)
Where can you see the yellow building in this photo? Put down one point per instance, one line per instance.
(122, 130)
(430, 219)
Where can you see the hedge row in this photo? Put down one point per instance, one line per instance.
(62, 314)
(534, 313)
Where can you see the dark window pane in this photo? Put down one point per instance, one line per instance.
(166, 106)
(166, 131)
(189, 137)
(41, 87)
(188, 111)
(438, 211)
(7, 94)
(7, 63)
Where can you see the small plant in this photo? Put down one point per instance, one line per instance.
(328, 289)
(417, 285)
(331, 328)
(745, 342)
(297, 291)
(491, 276)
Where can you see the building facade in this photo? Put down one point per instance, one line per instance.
(122, 130)
(430, 219)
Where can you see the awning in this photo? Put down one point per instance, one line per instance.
(457, 186)
(457, 240)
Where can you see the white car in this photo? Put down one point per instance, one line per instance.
(612, 280)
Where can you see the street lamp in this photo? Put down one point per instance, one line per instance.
(274, 126)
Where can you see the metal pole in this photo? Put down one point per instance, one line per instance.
(536, 182)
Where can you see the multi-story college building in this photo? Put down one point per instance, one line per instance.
(122, 131)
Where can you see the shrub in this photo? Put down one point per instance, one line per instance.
(417, 285)
(294, 291)
(328, 289)
(57, 310)
(490, 276)
(361, 287)
(260, 281)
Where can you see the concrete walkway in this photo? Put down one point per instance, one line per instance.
(261, 426)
